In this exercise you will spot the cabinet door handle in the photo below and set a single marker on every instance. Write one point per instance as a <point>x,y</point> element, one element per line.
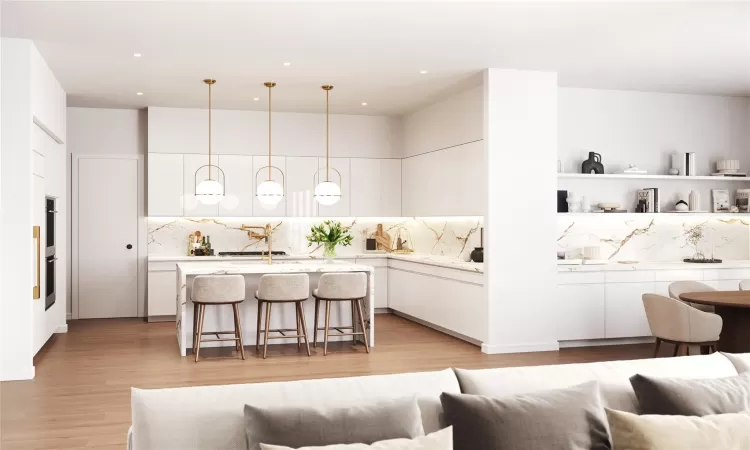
<point>38,261</point>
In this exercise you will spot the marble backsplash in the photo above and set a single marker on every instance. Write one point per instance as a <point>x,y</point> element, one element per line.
<point>453,237</point>
<point>655,238</point>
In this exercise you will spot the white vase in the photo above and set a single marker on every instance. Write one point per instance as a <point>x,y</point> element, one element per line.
<point>585,204</point>
<point>574,203</point>
<point>694,201</point>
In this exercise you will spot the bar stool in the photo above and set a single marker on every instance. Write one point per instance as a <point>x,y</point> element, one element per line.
<point>341,287</point>
<point>288,288</point>
<point>217,290</point>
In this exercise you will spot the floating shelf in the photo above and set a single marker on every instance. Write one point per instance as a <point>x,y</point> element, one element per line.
<point>743,216</point>
<point>628,176</point>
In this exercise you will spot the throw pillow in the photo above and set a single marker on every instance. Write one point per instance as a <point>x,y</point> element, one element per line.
<point>439,440</point>
<point>741,361</point>
<point>563,419</point>
<point>685,397</point>
<point>659,432</point>
<point>296,427</point>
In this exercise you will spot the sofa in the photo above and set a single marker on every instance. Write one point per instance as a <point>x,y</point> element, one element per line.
<point>211,417</point>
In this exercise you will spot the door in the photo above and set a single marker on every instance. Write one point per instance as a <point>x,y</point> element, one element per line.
<point>107,238</point>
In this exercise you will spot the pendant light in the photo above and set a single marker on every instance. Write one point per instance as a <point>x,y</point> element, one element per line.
<point>269,192</point>
<point>327,192</point>
<point>210,191</point>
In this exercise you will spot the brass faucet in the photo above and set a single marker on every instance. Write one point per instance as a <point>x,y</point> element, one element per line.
<point>266,235</point>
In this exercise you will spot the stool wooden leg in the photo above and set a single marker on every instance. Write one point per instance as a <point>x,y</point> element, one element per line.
<point>202,312</point>
<point>362,324</point>
<point>676,349</point>
<point>296,314</point>
<point>354,323</point>
<point>304,326</point>
<point>325,332</point>
<point>195,326</point>
<point>236,336</point>
<point>315,330</point>
<point>238,329</point>
<point>268,326</point>
<point>260,317</point>
<point>656,349</point>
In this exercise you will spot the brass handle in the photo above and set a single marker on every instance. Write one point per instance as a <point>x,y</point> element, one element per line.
<point>38,261</point>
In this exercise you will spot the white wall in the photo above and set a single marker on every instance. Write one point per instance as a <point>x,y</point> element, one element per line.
<point>644,128</point>
<point>174,130</point>
<point>94,132</point>
<point>520,224</point>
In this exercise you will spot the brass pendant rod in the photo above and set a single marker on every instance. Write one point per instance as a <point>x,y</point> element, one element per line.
<point>269,133</point>
<point>210,83</point>
<point>327,165</point>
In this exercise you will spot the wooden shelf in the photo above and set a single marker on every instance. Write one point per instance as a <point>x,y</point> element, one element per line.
<point>627,176</point>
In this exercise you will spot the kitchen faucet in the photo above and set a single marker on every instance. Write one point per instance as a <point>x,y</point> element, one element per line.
<point>266,235</point>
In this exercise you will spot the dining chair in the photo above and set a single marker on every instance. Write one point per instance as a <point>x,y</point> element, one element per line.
<point>681,287</point>
<point>745,285</point>
<point>674,322</point>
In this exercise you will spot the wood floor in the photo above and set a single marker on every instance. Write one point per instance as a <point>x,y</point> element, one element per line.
<point>80,398</point>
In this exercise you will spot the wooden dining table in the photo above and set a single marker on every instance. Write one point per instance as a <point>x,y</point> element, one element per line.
<point>734,309</point>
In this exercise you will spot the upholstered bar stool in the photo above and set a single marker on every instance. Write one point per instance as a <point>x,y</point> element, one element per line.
<point>211,290</point>
<point>341,287</point>
<point>286,288</point>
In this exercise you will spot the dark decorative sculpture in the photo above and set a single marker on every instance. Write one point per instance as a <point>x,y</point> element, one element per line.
<point>593,164</point>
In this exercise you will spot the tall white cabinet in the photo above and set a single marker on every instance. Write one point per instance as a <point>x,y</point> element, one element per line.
<point>299,186</point>
<point>375,187</point>
<point>238,199</point>
<point>165,184</point>
<point>342,207</point>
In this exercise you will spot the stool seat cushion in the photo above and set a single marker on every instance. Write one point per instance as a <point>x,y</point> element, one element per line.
<point>343,286</point>
<point>218,289</point>
<point>283,287</point>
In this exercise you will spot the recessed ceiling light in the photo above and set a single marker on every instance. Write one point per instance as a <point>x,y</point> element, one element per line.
<point>287,64</point>
<point>139,93</point>
<point>137,55</point>
<point>256,98</point>
<point>364,103</point>
<point>422,72</point>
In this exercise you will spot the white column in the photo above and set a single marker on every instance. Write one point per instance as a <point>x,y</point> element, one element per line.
<point>521,154</point>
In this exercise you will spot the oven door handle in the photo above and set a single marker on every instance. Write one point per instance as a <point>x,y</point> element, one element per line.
<point>38,239</point>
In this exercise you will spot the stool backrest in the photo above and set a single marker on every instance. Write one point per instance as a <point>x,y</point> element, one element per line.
<point>343,285</point>
<point>218,288</point>
<point>284,287</point>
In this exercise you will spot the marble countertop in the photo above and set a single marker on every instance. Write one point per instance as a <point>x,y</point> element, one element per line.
<point>650,265</point>
<point>187,268</point>
<point>432,260</point>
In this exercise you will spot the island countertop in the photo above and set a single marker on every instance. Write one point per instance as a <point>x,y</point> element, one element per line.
<point>252,270</point>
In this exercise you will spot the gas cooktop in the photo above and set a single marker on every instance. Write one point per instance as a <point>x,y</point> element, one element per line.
<point>255,253</point>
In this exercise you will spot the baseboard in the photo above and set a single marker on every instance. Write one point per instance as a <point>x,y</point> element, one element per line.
<point>62,329</point>
<point>438,328</point>
<point>383,311</point>
<point>521,348</point>
<point>151,319</point>
<point>26,373</point>
<point>606,342</point>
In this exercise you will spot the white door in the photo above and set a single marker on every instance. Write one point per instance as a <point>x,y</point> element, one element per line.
<point>107,238</point>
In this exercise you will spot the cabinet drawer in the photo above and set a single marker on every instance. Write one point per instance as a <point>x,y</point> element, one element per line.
<point>580,277</point>
<point>580,312</point>
<point>726,274</point>
<point>625,315</point>
<point>162,294</point>
<point>635,276</point>
<point>679,275</point>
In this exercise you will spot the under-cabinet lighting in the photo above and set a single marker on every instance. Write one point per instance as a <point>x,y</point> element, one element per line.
<point>137,55</point>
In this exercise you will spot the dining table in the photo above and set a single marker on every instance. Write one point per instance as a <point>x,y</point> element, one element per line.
<point>734,309</point>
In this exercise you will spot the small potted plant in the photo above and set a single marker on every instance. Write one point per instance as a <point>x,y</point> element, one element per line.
<point>329,234</point>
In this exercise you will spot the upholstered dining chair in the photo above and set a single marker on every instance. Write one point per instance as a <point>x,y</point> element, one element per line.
<point>745,285</point>
<point>681,287</point>
<point>677,323</point>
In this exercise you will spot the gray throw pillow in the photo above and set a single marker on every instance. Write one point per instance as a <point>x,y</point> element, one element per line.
<point>564,419</point>
<point>680,397</point>
<point>300,427</point>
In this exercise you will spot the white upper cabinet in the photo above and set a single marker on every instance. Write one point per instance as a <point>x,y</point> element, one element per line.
<point>375,187</point>
<point>299,186</point>
<point>238,198</point>
<point>165,185</point>
<point>192,163</point>
<point>259,162</point>
<point>342,207</point>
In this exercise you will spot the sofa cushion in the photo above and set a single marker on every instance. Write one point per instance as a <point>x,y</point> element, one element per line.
<point>562,419</point>
<point>211,417</point>
<point>741,361</point>
<point>613,377</point>
<point>723,431</point>
<point>692,397</point>
<point>439,440</point>
<point>363,423</point>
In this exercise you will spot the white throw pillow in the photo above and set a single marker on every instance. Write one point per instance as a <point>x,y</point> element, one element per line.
<point>439,440</point>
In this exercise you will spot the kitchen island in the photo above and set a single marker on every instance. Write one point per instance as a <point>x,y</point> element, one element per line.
<point>221,318</point>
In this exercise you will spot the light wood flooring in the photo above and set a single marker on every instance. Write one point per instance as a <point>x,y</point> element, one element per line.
<point>80,398</point>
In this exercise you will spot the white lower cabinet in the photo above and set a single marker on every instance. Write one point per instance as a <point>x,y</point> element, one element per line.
<point>624,312</point>
<point>580,312</point>
<point>162,293</point>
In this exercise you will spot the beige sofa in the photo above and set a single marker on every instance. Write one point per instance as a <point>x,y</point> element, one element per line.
<point>211,417</point>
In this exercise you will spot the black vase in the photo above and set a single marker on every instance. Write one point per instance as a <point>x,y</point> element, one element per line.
<point>477,255</point>
<point>593,164</point>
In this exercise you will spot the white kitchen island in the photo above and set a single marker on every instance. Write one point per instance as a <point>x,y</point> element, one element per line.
<point>282,316</point>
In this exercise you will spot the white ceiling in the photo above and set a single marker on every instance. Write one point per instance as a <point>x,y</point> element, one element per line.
<point>373,51</point>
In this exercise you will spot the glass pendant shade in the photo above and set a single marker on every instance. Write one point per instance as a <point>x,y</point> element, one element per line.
<point>270,193</point>
<point>327,193</point>
<point>209,192</point>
